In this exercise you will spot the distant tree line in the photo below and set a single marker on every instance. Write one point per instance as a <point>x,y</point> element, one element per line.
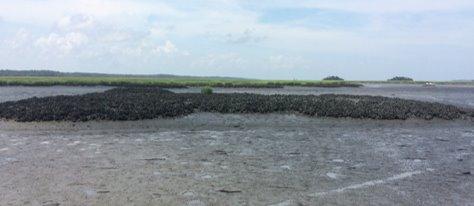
<point>30,73</point>
<point>51,73</point>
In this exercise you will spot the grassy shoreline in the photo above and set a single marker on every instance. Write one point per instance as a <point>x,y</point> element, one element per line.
<point>164,82</point>
<point>182,82</point>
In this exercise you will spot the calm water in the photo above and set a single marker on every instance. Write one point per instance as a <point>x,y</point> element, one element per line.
<point>449,94</point>
<point>14,93</point>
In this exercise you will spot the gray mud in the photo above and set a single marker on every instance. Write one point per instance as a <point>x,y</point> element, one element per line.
<point>213,159</point>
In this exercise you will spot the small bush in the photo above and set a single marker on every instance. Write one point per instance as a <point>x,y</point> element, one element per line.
<point>333,78</point>
<point>206,90</point>
<point>399,78</point>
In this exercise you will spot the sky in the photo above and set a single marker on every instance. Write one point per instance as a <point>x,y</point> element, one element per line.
<point>266,39</point>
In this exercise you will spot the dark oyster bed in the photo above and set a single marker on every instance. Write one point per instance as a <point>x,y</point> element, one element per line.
<point>149,103</point>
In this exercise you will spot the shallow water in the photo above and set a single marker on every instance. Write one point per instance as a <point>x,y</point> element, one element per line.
<point>458,95</point>
<point>13,93</point>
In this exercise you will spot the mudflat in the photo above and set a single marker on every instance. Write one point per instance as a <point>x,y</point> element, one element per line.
<point>206,159</point>
<point>241,159</point>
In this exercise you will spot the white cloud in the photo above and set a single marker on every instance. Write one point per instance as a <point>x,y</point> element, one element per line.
<point>370,6</point>
<point>20,40</point>
<point>247,36</point>
<point>48,11</point>
<point>75,22</point>
<point>220,61</point>
<point>124,50</point>
<point>160,31</point>
<point>116,36</point>
<point>230,34</point>
<point>167,48</point>
<point>286,62</point>
<point>63,44</point>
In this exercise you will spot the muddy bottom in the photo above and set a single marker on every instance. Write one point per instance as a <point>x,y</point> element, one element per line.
<point>214,159</point>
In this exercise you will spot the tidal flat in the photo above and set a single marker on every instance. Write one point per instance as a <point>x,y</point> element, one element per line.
<point>239,159</point>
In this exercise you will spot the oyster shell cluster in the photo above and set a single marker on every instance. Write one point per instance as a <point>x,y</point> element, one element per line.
<point>136,103</point>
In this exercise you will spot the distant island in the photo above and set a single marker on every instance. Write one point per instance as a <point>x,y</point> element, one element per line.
<point>333,78</point>
<point>401,78</point>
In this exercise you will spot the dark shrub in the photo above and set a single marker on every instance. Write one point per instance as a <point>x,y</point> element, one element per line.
<point>400,78</point>
<point>333,78</point>
<point>206,90</point>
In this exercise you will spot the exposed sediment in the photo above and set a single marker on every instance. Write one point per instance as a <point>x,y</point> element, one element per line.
<point>150,103</point>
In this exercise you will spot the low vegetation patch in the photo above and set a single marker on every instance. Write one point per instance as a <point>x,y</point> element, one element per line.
<point>164,82</point>
<point>150,103</point>
<point>206,90</point>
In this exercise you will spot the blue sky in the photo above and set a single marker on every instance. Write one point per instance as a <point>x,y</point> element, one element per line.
<point>287,39</point>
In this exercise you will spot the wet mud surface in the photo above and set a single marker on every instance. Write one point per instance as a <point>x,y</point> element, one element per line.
<point>214,159</point>
<point>150,103</point>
